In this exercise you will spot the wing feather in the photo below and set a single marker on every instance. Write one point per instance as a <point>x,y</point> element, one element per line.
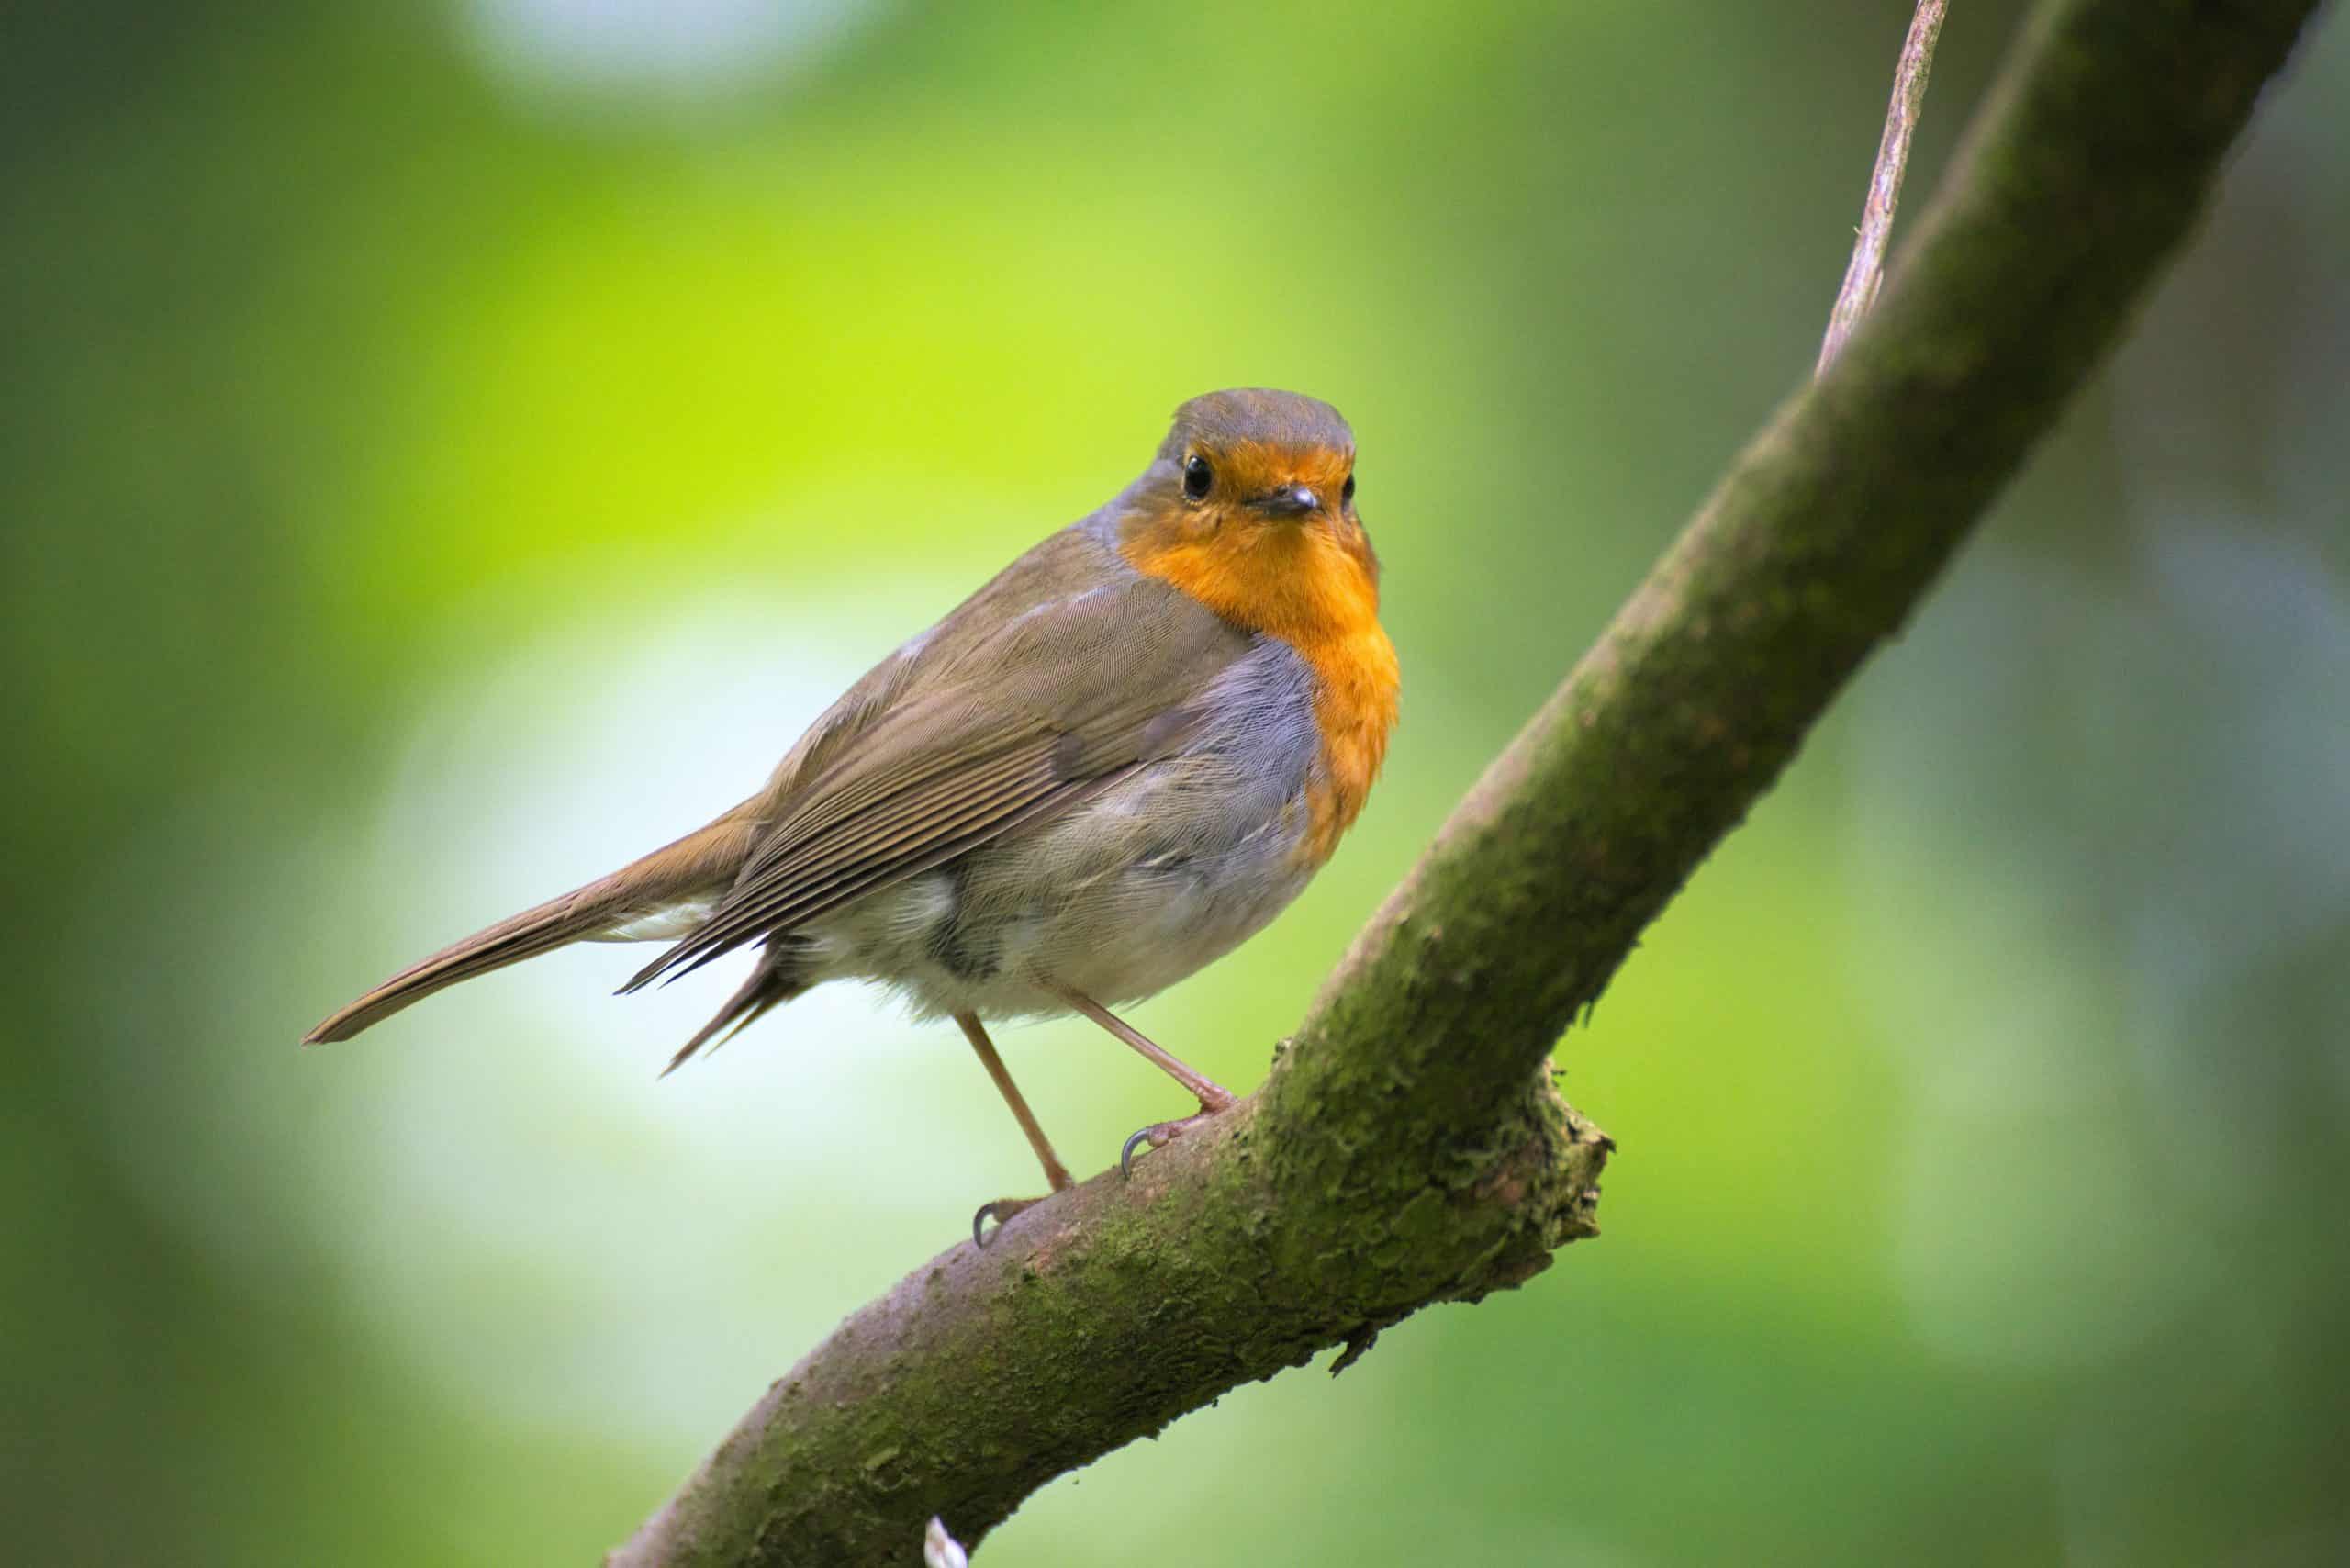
<point>998,721</point>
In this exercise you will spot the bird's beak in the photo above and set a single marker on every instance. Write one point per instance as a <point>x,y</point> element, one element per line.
<point>1290,500</point>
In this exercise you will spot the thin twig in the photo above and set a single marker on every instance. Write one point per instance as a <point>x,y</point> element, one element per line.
<point>1867,269</point>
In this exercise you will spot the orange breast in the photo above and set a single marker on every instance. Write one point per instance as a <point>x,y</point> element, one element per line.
<point>1317,591</point>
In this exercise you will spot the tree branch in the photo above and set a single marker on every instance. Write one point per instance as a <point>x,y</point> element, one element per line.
<point>1407,1147</point>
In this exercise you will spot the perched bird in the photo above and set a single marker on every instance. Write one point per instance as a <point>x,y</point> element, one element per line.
<point>1104,769</point>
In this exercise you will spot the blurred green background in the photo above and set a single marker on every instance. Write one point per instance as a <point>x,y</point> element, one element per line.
<point>449,449</point>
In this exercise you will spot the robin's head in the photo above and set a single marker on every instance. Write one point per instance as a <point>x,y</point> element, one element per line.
<point>1250,456</point>
<point>1250,506</point>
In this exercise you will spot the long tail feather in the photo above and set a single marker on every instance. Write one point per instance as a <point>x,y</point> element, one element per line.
<point>525,935</point>
<point>703,862</point>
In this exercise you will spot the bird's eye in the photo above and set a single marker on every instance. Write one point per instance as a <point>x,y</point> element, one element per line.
<point>1347,491</point>
<point>1197,478</point>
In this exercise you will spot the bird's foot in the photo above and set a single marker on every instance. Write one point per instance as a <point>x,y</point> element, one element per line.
<point>1001,1210</point>
<point>1158,1134</point>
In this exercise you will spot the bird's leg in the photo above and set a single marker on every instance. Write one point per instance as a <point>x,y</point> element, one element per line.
<point>1213,1096</point>
<point>1056,1173</point>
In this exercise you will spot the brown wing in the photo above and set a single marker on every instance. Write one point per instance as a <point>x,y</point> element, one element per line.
<point>1000,721</point>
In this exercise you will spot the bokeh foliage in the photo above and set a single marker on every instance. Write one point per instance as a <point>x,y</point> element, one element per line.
<point>444,450</point>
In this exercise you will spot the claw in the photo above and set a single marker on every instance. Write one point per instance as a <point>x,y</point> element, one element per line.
<point>1158,1134</point>
<point>1001,1210</point>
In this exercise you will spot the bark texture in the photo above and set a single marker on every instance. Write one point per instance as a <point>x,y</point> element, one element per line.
<point>1407,1148</point>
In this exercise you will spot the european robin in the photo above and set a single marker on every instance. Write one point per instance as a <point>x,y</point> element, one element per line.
<point>1104,769</point>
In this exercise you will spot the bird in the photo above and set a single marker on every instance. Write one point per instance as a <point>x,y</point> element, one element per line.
<point>1115,762</point>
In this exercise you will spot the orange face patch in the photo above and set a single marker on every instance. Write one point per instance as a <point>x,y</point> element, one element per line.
<point>1311,581</point>
<point>1244,468</point>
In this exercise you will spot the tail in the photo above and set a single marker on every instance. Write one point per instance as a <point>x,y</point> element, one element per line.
<point>702,864</point>
<point>773,983</point>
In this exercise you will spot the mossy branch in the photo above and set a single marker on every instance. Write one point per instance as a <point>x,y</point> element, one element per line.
<point>1407,1147</point>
